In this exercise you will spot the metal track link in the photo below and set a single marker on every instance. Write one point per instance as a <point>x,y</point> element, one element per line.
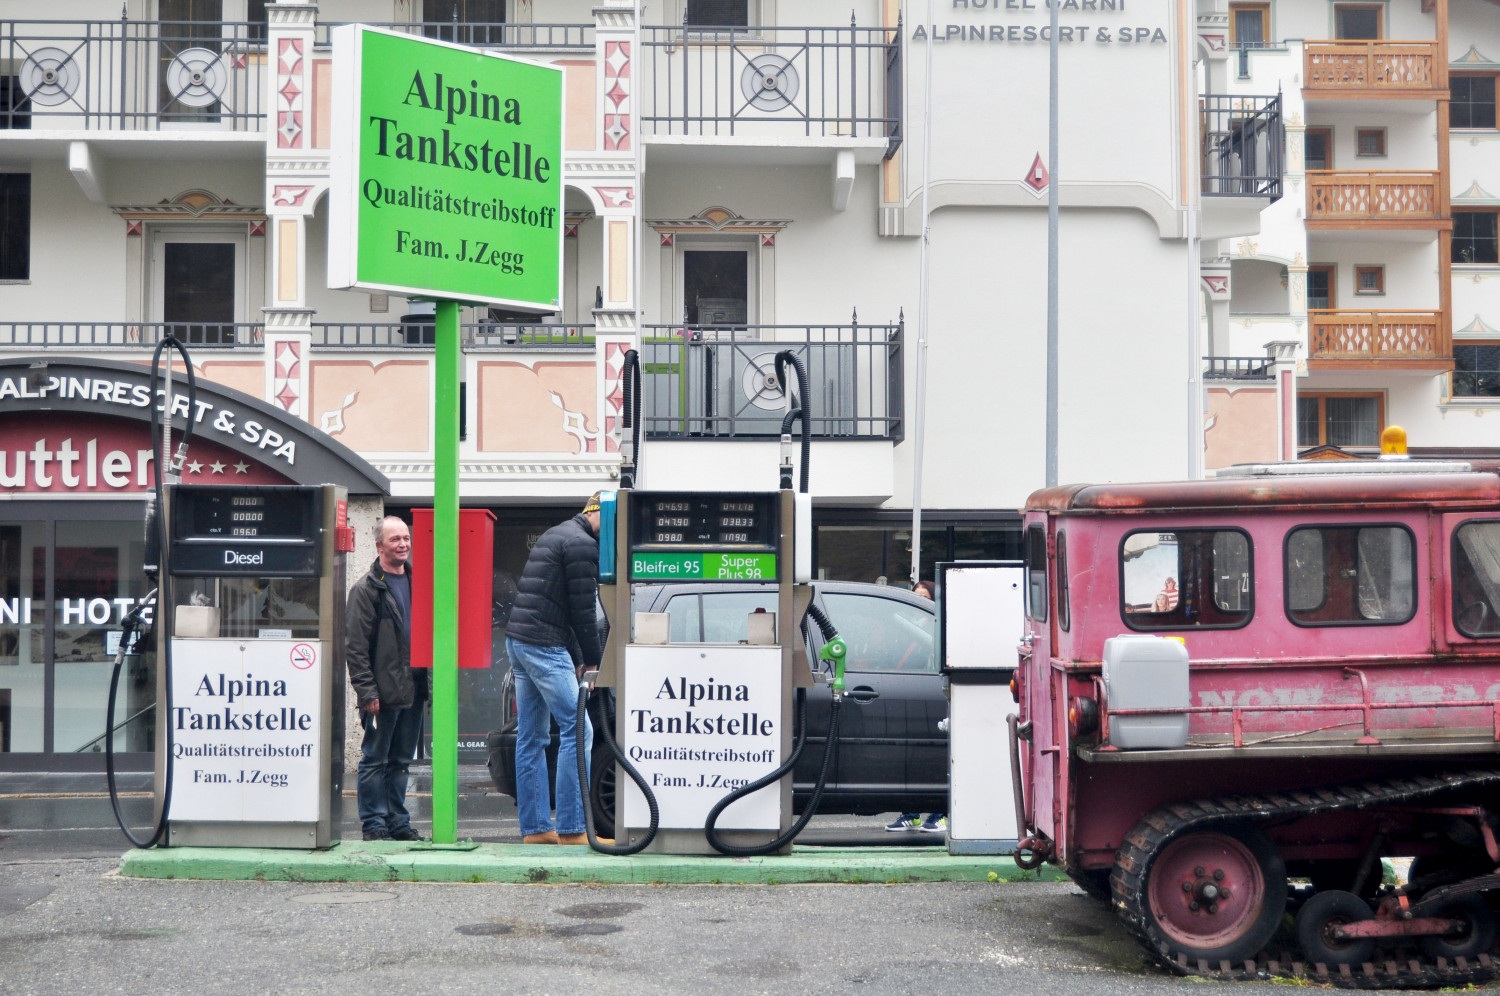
<point>1156,829</point>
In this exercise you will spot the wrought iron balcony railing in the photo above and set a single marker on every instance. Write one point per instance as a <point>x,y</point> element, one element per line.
<point>1239,368</point>
<point>1372,195</point>
<point>132,75</point>
<point>714,381</point>
<point>1378,335</point>
<point>126,335</point>
<point>484,34</point>
<point>1355,68</point>
<point>1242,146</point>
<point>772,82</point>
<point>479,336</point>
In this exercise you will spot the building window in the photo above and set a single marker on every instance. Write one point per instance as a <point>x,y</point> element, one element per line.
<point>718,13</point>
<point>1370,142</point>
<point>1319,287</point>
<point>255,14</point>
<point>1475,237</point>
<point>1476,370</point>
<point>15,106</point>
<point>1357,21</point>
<point>1317,144</point>
<point>1340,419</point>
<point>1249,27</point>
<point>1369,280</point>
<point>465,22</point>
<point>1472,101</point>
<point>15,226</point>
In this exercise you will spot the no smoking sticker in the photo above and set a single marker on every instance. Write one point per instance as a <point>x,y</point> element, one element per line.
<point>304,656</point>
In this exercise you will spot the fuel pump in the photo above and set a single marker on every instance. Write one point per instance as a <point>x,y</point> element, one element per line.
<point>254,624</point>
<point>707,717</point>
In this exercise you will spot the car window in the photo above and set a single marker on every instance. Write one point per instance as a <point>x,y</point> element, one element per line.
<point>883,634</point>
<point>721,617</point>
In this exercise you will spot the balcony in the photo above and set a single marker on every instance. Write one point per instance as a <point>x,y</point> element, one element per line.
<point>1239,368</point>
<point>711,382</point>
<point>124,336</point>
<point>132,75</point>
<point>763,85</point>
<point>1364,70</point>
<point>1382,198</point>
<point>1242,146</point>
<point>482,34</point>
<point>1415,341</point>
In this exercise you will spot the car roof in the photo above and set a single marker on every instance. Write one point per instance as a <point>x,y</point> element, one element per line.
<point>658,591</point>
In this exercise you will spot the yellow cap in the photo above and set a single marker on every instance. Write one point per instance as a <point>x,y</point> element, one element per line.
<point>592,505</point>
<point>1393,441</point>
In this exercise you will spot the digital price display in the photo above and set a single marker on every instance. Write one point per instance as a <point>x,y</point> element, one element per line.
<point>704,537</point>
<point>266,531</point>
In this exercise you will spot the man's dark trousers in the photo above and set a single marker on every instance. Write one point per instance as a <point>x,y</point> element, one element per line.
<point>390,741</point>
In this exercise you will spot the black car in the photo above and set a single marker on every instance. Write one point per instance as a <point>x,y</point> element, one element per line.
<point>892,757</point>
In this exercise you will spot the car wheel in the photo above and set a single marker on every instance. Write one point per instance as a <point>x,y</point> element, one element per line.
<point>602,792</point>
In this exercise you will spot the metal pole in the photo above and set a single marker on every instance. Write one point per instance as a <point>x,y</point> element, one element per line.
<point>1195,348</point>
<point>919,426</point>
<point>444,569</point>
<point>1052,205</point>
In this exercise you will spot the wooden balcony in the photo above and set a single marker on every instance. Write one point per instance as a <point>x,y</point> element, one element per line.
<point>1396,340</point>
<point>1373,198</point>
<point>1373,69</point>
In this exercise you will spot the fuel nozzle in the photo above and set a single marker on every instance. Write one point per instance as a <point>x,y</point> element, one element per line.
<point>786,461</point>
<point>835,650</point>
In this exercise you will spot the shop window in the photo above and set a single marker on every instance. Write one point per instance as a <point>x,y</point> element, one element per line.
<point>465,22</point>
<point>1357,21</point>
<point>1476,370</point>
<point>15,226</point>
<point>1186,579</point>
<point>1036,573</point>
<point>1350,575</point>
<point>1320,287</point>
<point>1476,579</point>
<point>1317,146</point>
<point>1369,280</point>
<point>1340,419</point>
<point>719,13</point>
<point>1369,142</point>
<point>1476,237</point>
<point>1472,101</point>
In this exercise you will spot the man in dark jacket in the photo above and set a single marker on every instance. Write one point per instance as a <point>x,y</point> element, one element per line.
<point>552,623</point>
<point>391,693</point>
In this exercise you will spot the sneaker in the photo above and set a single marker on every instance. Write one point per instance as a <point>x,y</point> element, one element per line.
<point>906,821</point>
<point>377,835</point>
<point>407,834</point>
<point>936,823</point>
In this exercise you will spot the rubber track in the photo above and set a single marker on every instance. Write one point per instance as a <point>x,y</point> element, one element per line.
<point>1128,879</point>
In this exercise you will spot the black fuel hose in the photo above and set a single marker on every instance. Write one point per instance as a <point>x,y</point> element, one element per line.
<point>783,358</point>
<point>163,614</point>
<point>129,636</point>
<point>583,785</point>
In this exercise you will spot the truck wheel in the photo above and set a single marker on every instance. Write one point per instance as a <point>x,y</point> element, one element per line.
<point>1325,911</point>
<point>1474,913</point>
<point>602,792</point>
<point>1211,894</point>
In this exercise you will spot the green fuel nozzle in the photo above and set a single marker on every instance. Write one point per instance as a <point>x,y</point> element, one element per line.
<point>835,650</point>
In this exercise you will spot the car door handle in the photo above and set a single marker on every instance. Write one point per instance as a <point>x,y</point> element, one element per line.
<point>862,693</point>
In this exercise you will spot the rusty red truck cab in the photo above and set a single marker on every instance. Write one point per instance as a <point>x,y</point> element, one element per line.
<point>1238,695</point>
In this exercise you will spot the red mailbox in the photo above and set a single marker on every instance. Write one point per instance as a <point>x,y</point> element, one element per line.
<point>476,586</point>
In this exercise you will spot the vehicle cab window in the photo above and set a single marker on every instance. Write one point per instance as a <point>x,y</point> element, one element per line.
<point>1186,579</point>
<point>883,634</point>
<point>1341,576</point>
<point>1476,579</point>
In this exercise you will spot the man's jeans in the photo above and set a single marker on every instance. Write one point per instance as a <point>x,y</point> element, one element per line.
<point>390,741</point>
<point>547,687</point>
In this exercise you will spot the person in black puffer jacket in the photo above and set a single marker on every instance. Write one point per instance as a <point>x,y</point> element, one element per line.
<point>553,624</point>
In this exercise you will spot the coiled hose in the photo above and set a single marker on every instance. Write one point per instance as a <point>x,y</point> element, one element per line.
<point>630,413</point>
<point>783,359</point>
<point>830,752</point>
<point>583,784</point>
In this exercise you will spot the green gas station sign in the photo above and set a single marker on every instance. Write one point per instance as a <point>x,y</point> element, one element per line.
<point>447,172</point>
<point>700,566</point>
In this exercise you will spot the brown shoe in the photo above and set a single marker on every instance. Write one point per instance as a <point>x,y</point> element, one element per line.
<point>550,837</point>
<point>582,838</point>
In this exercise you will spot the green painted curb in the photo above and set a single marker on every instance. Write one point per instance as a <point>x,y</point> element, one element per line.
<point>394,861</point>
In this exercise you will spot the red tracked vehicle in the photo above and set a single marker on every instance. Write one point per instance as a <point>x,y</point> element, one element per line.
<point>1238,695</point>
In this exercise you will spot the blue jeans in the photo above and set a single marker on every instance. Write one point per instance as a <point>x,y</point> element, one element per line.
<point>547,688</point>
<point>385,755</point>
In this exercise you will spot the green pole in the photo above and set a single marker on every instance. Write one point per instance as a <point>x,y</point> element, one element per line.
<point>445,580</point>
